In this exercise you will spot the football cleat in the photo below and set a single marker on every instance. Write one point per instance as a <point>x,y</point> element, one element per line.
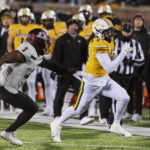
<point>55,131</point>
<point>136,117</point>
<point>117,128</point>
<point>127,116</point>
<point>86,120</point>
<point>10,136</point>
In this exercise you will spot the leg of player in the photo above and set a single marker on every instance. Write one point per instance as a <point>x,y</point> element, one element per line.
<point>111,90</point>
<point>85,96</point>
<point>22,101</point>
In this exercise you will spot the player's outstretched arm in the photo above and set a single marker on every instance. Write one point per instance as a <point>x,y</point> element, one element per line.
<point>12,58</point>
<point>63,70</point>
<point>48,64</point>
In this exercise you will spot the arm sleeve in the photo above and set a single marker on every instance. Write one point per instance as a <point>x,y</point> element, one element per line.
<point>107,64</point>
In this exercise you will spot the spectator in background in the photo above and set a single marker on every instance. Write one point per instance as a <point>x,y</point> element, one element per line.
<point>14,12</point>
<point>6,21</point>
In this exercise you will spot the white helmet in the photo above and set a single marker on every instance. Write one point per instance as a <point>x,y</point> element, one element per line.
<point>86,8</point>
<point>49,14</point>
<point>79,17</point>
<point>104,9</point>
<point>24,12</point>
<point>101,25</point>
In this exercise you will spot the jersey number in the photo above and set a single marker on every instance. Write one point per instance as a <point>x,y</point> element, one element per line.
<point>24,49</point>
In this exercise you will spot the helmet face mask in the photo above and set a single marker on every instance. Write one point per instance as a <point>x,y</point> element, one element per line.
<point>48,23</point>
<point>48,19</point>
<point>107,34</point>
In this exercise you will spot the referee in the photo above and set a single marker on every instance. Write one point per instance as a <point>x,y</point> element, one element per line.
<point>125,71</point>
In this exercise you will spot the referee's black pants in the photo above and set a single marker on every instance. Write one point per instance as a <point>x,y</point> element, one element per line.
<point>22,101</point>
<point>136,96</point>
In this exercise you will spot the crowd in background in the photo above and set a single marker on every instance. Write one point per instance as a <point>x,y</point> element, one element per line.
<point>59,90</point>
<point>79,2</point>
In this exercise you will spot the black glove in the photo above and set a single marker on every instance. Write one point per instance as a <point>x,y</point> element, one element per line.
<point>71,70</point>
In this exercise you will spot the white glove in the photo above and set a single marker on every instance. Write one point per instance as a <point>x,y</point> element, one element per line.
<point>80,75</point>
<point>126,48</point>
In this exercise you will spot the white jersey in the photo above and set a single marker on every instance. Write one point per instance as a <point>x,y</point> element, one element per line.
<point>13,75</point>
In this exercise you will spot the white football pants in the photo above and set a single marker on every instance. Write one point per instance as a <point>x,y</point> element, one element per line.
<point>88,92</point>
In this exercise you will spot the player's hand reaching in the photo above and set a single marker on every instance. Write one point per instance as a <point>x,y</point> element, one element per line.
<point>126,48</point>
<point>80,75</point>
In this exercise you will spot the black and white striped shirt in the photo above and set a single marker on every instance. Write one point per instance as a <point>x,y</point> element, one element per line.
<point>133,58</point>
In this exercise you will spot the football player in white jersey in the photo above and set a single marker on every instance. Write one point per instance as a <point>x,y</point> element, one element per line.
<point>100,63</point>
<point>15,67</point>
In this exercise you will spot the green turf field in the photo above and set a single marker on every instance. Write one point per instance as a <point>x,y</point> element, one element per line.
<point>36,136</point>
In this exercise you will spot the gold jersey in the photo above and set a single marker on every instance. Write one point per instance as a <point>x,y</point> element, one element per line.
<point>60,28</point>
<point>98,45</point>
<point>87,31</point>
<point>20,33</point>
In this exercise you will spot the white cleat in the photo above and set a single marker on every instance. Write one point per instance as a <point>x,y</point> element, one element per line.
<point>103,121</point>
<point>136,117</point>
<point>55,131</point>
<point>10,136</point>
<point>86,120</point>
<point>127,116</point>
<point>117,128</point>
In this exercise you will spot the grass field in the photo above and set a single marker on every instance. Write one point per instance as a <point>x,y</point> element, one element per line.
<point>36,136</point>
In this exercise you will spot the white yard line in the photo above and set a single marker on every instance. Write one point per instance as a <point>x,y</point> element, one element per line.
<point>87,145</point>
<point>75,123</point>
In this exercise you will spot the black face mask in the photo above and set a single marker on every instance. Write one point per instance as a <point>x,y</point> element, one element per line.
<point>49,26</point>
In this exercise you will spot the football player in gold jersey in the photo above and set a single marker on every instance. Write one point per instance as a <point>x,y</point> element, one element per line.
<point>18,32</point>
<point>87,11</point>
<point>100,63</point>
<point>48,19</point>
